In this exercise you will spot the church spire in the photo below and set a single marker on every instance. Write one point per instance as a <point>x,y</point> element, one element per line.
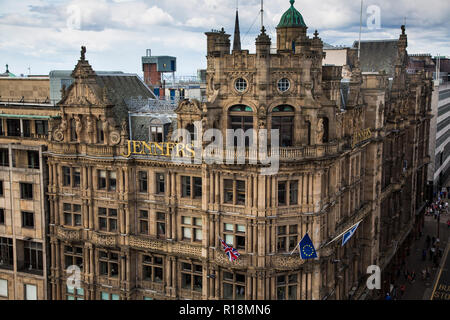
<point>237,34</point>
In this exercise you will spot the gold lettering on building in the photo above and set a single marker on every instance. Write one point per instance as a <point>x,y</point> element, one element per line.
<point>163,149</point>
<point>361,136</point>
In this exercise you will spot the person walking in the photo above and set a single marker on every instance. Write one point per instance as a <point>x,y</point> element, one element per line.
<point>388,296</point>
<point>424,254</point>
<point>413,276</point>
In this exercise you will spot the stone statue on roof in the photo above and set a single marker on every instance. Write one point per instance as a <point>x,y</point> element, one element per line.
<point>83,52</point>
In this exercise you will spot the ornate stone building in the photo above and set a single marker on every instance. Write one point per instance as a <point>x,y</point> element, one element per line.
<point>24,117</point>
<point>146,227</point>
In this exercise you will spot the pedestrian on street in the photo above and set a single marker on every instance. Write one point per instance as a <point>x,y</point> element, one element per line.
<point>388,296</point>
<point>424,254</point>
<point>413,276</point>
<point>424,274</point>
<point>448,223</point>
<point>431,253</point>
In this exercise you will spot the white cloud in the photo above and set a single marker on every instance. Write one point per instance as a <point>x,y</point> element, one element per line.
<point>45,33</point>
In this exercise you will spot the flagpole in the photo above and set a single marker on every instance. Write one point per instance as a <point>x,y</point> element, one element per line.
<point>340,235</point>
<point>298,243</point>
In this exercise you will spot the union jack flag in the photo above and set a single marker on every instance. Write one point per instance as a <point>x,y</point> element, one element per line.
<point>231,252</point>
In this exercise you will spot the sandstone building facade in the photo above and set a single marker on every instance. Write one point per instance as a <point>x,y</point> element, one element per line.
<point>146,227</point>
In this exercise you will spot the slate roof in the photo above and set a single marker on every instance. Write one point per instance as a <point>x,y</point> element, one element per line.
<point>378,55</point>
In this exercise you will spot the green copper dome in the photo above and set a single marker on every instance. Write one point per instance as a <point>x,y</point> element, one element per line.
<point>291,18</point>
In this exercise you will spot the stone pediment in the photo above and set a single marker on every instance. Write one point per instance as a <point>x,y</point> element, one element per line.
<point>81,94</point>
<point>189,107</point>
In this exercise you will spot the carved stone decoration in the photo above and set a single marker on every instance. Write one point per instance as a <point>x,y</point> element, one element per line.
<point>65,234</point>
<point>262,117</point>
<point>319,131</point>
<point>58,135</point>
<point>90,128</point>
<point>105,128</point>
<point>78,127</point>
<point>104,240</point>
<point>282,262</point>
<point>114,137</point>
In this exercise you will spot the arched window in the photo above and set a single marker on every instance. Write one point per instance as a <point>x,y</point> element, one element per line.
<point>283,120</point>
<point>241,117</point>
<point>100,133</point>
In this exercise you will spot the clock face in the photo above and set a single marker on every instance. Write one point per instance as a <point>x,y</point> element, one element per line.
<point>284,84</point>
<point>240,84</point>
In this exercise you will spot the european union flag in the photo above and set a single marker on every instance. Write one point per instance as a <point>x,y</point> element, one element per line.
<point>307,250</point>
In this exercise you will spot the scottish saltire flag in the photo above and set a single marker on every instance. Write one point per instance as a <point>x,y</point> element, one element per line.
<point>231,252</point>
<point>307,250</point>
<point>349,233</point>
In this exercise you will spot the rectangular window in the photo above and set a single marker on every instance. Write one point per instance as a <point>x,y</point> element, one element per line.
<point>228,190</point>
<point>13,126</point>
<point>66,176</point>
<point>143,181</point>
<point>74,293</point>
<point>3,288</point>
<point>107,219</point>
<point>282,193</point>
<point>109,296</point>
<point>233,286</point>
<point>30,292</point>
<point>73,256</point>
<point>32,256</point>
<point>287,238</point>
<point>33,159</point>
<point>143,222</point>
<point>287,287</point>
<point>191,276</point>
<point>293,192</point>
<point>1,188</point>
<point>240,192</point>
<point>27,219</point>
<point>102,179</point>
<point>41,127</point>
<point>156,133</point>
<point>26,126</point>
<point>26,191</point>
<point>112,181</point>
<point>76,177</point>
<point>161,225</point>
<point>160,183</point>
<point>6,253</point>
<point>234,235</point>
<point>191,228</point>
<point>109,263</point>
<point>197,187</point>
<point>185,187</point>
<point>4,158</point>
<point>2,216</point>
<point>152,268</point>
<point>72,214</point>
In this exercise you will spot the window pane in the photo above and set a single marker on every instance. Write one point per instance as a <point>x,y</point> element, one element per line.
<point>187,220</point>
<point>3,288</point>
<point>229,239</point>
<point>228,227</point>
<point>240,228</point>
<point>105,296</point>
<point>187,233</point>
<point>30,292</point>
<point>198,234</point>
<point>227,291</point>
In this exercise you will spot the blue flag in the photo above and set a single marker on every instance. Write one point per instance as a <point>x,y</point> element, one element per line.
<point>349,233</point>
<point>307,250</point>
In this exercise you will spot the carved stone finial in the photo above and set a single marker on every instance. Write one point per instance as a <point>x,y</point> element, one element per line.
<point>316,34</point>
<point>403,29</point>
<point>83,52</point>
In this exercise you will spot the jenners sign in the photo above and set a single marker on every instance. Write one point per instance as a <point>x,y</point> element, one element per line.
<point>164,149</point>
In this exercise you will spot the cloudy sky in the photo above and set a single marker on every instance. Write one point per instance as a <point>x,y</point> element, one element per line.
<point>46,35</point>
